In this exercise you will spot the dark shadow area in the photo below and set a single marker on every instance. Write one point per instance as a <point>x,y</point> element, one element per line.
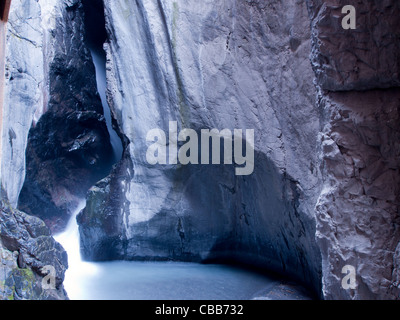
<point>69,148</point>
<point>286,288</point>
<point>96,36</point>
<point>4,9</point>
<point>253,221</point>
<point>95,31</point>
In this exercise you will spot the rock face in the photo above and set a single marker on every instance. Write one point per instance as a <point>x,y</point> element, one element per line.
<point>104,237</point>
<point>357,211</point>
<point>27,252</point>
<point>196,64</point>
<point>69,148</point>
<point>324,190</point>
<point>361,59</point>
<point>236,65</point>
<point>23,92</point>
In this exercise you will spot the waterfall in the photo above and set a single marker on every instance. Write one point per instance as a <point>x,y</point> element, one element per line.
<point>78,271</point>
<point>80,274</point>
<point>145,280</point>
<point>123,280</point>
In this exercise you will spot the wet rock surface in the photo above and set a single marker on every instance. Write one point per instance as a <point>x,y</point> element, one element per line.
<point>325,189</point>
<point>101,225</point>
<point>212,65</point>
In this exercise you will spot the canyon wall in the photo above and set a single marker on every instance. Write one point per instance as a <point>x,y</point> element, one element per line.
<point>68,147</point>
<point>196,64</point>
<point>27,249</point>
<point>357,76</point>
<point>324,190</point>
<point>223,65</point>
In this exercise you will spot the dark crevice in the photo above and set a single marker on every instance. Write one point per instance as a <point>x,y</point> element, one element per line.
<point>4,9</point>
<point>96,36</point>
<point>96,33</point>
<point>69,148</point>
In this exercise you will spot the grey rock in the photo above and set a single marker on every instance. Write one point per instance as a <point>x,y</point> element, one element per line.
<point>69,148</point>
<point>35,45</point>
<point>26,248</point>
<point>101,226</point>
<point>361,59</point>
<point>210,64</point>
<point>24,91</point>
<point>357,210</point>
<point>325,187</point>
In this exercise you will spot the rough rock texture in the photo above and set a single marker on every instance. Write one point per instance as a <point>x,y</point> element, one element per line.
<point>2,77</point>
<point>104,235</point>
<point>358,222</point>
<point>225,64</point>
<point>26,247</point>
<point>325,187</point>
<point>68,149</point>
<point>358,209</point>
<point>361,59</point>
<point>25,243</point>
<point>38,77</point>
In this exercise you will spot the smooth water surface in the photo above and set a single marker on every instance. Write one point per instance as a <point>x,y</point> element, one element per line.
<point>149,280</point>
<point>124,280</point>
<point>163,281</point>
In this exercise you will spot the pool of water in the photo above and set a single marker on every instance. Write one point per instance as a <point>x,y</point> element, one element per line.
<point>162,281</point>
<point>123,280</point>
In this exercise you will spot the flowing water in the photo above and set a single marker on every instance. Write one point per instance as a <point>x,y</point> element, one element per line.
<point>150,280</point>
<point>99,61</point>
<point>124,280</point>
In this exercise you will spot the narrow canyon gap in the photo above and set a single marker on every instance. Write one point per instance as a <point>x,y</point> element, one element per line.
<point>69,147</point>
<point>323,102</point>
<point>170,68</point>
<point>96,36</point>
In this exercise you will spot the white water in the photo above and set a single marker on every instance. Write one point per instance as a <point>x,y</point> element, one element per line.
<point>78,270</point>
<point>148,280</point>
<point>122,280</point>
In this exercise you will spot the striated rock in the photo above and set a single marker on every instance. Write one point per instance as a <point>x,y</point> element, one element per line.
<point>24,91</point>
<point>324,193</point>
<point>236,65</point>
<point>26,250</point>
<point>69,148</point>
<point>50,94</point>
